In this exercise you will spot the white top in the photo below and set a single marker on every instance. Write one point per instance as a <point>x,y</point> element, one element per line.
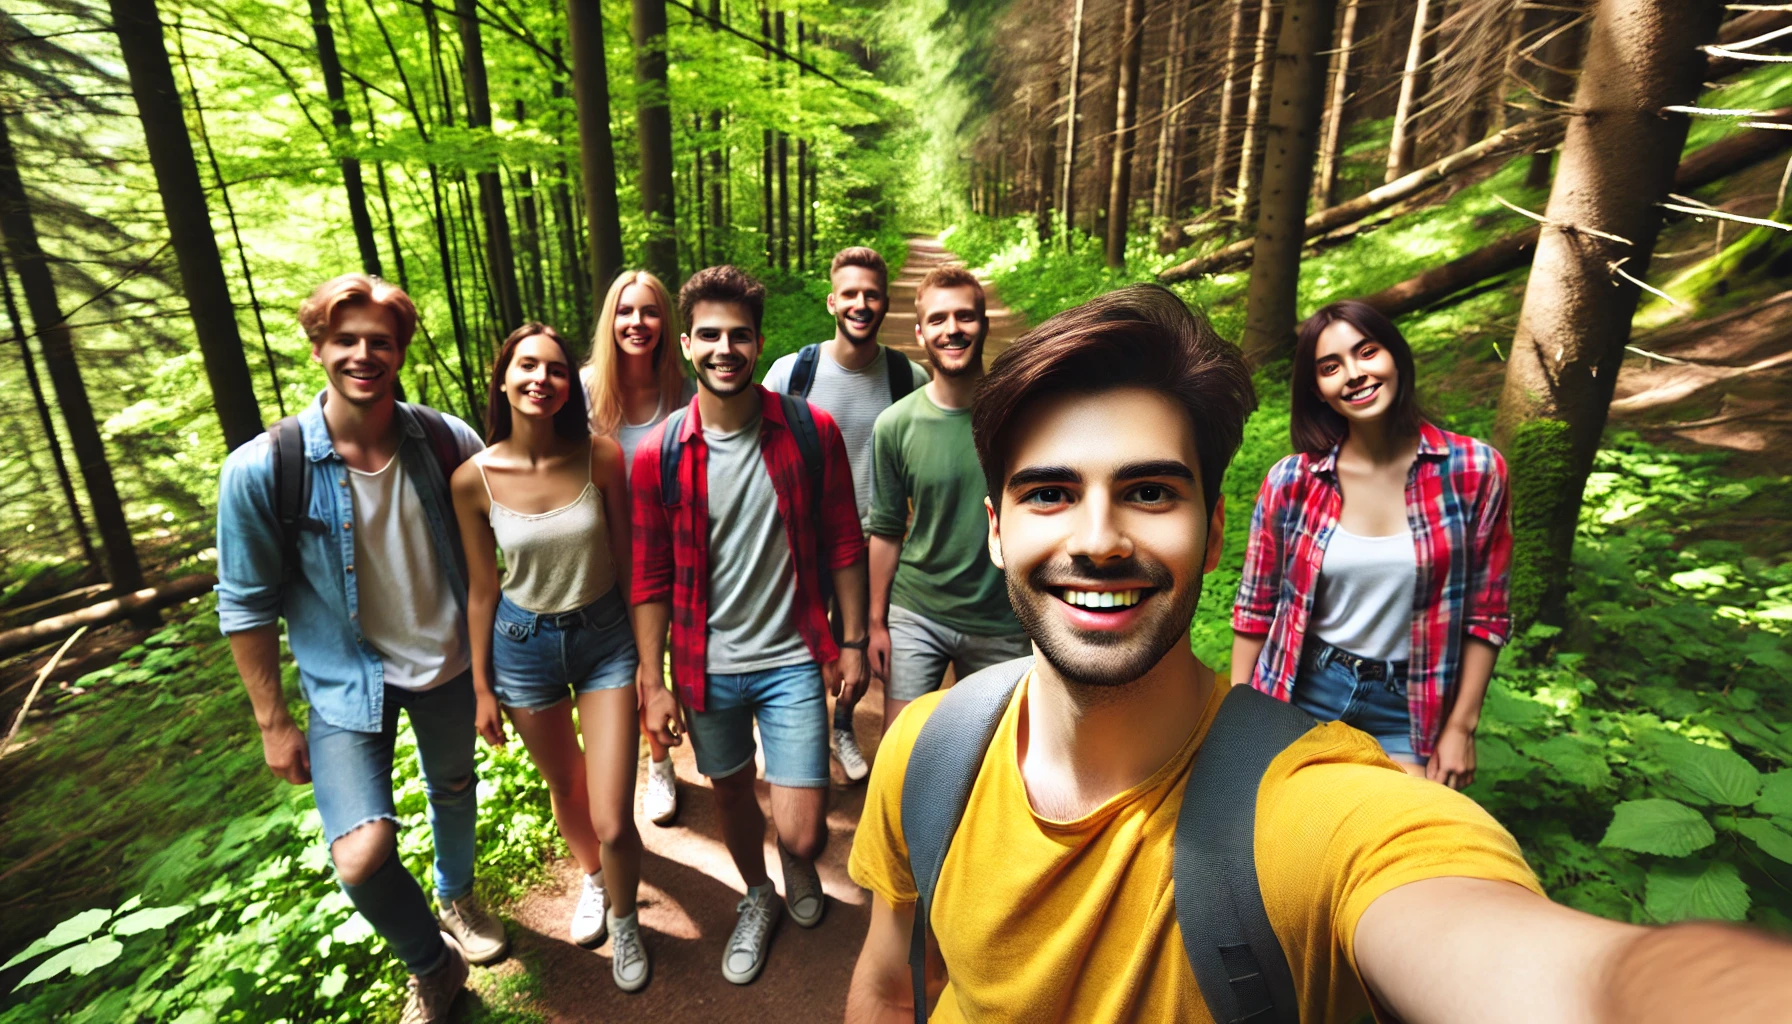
<point>630,435</point>
<point>752,580</point>
<point>555,561</point>
<point>408,613</point>
<point>1364,601</point>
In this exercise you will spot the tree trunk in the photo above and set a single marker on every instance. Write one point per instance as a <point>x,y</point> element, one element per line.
<point>717,175</point>
<point>1046,155</point>
<point>331,65</point>
<point>1560,55</point>
<point>597,154</point>
<point>1400,143</point>
<point>1169,127</point>
<point>500,254</point>
<point>1126,112</point>
<point>1440,282</point>
<point>1296,100</point>
<point>1250,156</point>
<point>1325,185</point>
<point>1067,199</point>
<point>22,246</point>
<point>1616,163</point>
<point>139,31</point>
<point>653,129</point>
<point>1222,144</point>
<point>783,158</point>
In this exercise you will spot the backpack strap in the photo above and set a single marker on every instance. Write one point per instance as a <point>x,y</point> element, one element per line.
<point>671,453</point>
<point>292,490</point>
<point>942,768</point>
<point>902,379</point>
<point>442,442</point>
<point>1238,962</point>
<point>801,419</point>
<point>802,374</point>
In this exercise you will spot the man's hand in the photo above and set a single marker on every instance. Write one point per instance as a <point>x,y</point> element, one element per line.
<point>661,716</point>
<point>850,677</point>
<point>488,720</point>
<point>288,755</point>
<point>1453,762</point>
<point>878,653</point>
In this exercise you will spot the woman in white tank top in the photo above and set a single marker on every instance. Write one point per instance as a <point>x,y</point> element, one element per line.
<point>634,379</point>
<point>553,500</point>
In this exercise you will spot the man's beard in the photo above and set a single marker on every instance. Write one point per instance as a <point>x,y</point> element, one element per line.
<point>1104,660</point>
<point>970,365</point>
<point>850,330</point>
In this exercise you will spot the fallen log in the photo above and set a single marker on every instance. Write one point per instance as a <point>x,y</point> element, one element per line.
<point>54,605</point>
<point>148,599</point>
<point>1739,29</point>
<point>1535,133</point>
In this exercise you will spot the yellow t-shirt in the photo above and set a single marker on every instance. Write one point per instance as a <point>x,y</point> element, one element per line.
<point>1042,920</point>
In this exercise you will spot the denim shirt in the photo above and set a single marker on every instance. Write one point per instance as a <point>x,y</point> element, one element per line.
<point>340,673</point>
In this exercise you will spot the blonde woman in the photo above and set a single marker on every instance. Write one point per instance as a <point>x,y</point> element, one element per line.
<point>634,379</point>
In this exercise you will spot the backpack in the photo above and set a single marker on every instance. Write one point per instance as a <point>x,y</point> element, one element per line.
<point>802,375</point>
<point>292,484</point>
<point>797,416</point>
<point>1238,961</point>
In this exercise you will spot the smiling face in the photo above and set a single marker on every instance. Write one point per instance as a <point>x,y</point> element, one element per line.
<point>538,379</point>
<point>859,301</point>
<point>951,325</point>
<point>360,353</point>
<point>640,321</point>
<point>1104,536</point>
<point>723,347</point>
<point>1355,374</point>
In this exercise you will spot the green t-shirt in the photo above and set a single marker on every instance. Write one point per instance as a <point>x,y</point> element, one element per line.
<point>922,456</point>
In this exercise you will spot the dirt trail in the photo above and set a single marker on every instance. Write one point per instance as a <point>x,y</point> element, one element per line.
<point>689,883</point>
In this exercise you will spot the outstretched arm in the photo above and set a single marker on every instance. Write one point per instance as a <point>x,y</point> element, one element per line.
<point>882,991</point>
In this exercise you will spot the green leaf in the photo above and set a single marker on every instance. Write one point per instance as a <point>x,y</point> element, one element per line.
<point>1666,827</point>
<point>79,960</point>
<point>150,919</point>
<point>1776,794</point>
<point>1720,776</point>
<point>1574,760</point>
<point>76,928</point>
<point>1682,892</point>
<point>1768,836</point>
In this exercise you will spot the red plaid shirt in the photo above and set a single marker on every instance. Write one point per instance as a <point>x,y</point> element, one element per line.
<point>1456,506</point>
<point>671,545</point>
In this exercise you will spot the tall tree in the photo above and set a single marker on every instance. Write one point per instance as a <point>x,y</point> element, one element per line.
<point>500,253</point>
<point>597,154</point>
<point>1045,177</point>
<point>1167,167</point>
<point>19,229</point>
<point>1325,183</point>
<point>783,159</point>
<point>1067,198</point>
<point>1296,98</point>
<point>1401,142</point>
<point>717,176</point>
<point>1617,162</point>
<point>139,30</point>
<point>653,130</point>
<point>1250,153</point>
<point>1222,140</point>
<point>1126,112</point>
<point>1559,56</point>
<point>331,66</point>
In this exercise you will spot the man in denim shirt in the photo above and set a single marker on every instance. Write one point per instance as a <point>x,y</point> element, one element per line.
<point>375,609</point>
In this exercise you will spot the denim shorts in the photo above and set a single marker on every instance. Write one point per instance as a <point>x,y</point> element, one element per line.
<point>1330,690</point>
<point>537,659</point>
<point>920,650</point>
<point>792,708</point>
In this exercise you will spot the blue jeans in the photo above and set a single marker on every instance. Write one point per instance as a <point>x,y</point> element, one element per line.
<point>1371,697</point>
<point>791,706</point>
<point>351,778</point>
<point>535,658</point>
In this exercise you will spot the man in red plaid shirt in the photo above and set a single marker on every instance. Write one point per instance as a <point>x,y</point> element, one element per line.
<point>741,502</point>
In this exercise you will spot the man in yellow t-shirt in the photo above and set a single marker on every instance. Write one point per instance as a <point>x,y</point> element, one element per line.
<point>1103,435</point>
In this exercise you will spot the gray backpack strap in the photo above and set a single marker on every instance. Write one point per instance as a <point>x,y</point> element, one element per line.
<point>1237,959</point>
<point>802,372</point>
<point>942,768</point>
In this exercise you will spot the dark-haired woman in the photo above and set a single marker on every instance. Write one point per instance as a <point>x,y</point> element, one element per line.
<point>1374,587</point>
<point>552,497</point>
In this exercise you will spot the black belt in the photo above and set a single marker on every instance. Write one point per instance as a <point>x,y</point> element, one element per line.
<point>1364,668</point>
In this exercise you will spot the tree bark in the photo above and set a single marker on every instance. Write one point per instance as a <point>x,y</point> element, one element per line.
<point>1297,98</point>
<point>1617,162</point>
<point>1046,155</point>
<point>597,154</point>
<point>1222,144</point>
<point>1169,127</point>
<point>1559,56</point>
<point>1325,184</point>
<point>717,175</point>
<point>1067,196</point>
<point>1250,154</point>
<point>1400,143</point>
<point>1126,112</point>
<point>653,129</point>
<point>500,253</point>
<point>20,233</point>
<point>139,31</point>
<point>331,66</point>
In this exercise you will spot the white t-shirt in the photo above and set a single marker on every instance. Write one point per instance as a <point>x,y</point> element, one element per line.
<point>408,613</point>
<point>1364,601</point>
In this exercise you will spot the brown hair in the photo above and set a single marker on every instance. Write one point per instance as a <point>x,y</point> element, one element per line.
<point>604,390</point>
<point>569,422</point>
<point>861,256</point>
<point>949,277</point>
<point>1316,427</point>
<point>1142,337</point>
<point>319,308</point>
<point>722,284</point>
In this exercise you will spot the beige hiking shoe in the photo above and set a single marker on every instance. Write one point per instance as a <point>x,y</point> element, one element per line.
<point>432,995</point>
<point>480,934</point>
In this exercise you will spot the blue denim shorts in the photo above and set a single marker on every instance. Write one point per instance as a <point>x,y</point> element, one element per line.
<point>792,708</point>
<point>537,659</point>
<point>1330,690</point>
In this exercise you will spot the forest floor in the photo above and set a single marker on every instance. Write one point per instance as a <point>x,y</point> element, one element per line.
<point>689,883</point>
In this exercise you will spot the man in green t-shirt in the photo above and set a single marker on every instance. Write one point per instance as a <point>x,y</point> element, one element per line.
<point>936,599</point>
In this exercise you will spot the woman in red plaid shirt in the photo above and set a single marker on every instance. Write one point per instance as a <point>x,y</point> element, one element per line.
<point>1375,581</point>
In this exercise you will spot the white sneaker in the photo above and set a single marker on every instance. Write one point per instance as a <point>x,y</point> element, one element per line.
<point>846,751</point>
<point>588,917</point>
<point>752,938</point>
<point>628,954</point>
<point>802,890</point>
<point>661,799</point>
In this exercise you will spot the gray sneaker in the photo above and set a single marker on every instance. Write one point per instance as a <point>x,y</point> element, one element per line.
<point>432,995</point>
<point>802,890</point>
<point>628,954</point>
<point>479,933</point>
<point>752,939</point>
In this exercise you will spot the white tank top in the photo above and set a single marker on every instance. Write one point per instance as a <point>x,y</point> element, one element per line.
<point>555,561</point>
<point>1364,600</point>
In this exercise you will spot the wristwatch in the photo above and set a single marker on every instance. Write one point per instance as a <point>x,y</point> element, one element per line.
<point>857,645</point>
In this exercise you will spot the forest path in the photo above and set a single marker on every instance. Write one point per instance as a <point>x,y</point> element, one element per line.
<point>689,884</point>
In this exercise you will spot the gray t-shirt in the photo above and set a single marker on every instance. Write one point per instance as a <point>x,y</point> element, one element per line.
<point>752,580</point>
<point>630,435</point>
<point>853,398</point>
